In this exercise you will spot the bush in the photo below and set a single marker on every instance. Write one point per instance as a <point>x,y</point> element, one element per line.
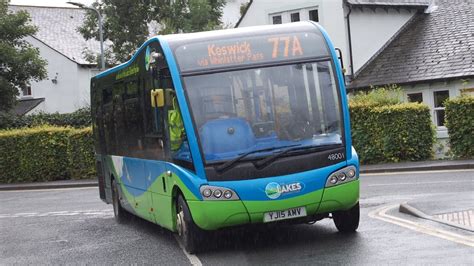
<point>391,133</point>
<point>78,119</point>
<point>81,154</point>
<point>45,153</point>
<point>388,95</point>
<point>460,124</point>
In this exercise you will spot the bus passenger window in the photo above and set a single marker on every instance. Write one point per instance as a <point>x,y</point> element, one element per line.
<point>107,95</point>
<point>131,90</point>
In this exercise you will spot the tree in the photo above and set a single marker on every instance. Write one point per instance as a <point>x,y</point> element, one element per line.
<point>19,61</point>
<point>127,24</point>
<point>191,16</point>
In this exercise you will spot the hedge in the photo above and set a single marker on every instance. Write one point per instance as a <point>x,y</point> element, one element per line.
<point>46,153</point>
<point>78,119</point>
<point>391,133</point>
<point>81,154</point>
<point>460,123</point>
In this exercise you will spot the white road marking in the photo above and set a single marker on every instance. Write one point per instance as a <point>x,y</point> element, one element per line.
<point>193,259</point>
<point>381,214</point>
<point>47,189</point>
<point>106,212</point>
<point>417,172</point>
<point>418,183</point>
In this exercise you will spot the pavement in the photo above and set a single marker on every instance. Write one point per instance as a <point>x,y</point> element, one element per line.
<point>418,166</point>
<point>50,184</point>
<point>456,209</point>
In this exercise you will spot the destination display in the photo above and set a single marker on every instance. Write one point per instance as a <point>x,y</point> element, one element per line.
<point>249,50</point>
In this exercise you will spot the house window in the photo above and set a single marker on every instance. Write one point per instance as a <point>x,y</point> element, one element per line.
<point>439,98</point>
<point>276,19</point>
<point>26,91</point>
<point>415,97</point>
<point>295,17</point>
<point>314,15</point>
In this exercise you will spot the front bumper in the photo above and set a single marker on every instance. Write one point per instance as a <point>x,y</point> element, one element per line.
<point>212,215</point>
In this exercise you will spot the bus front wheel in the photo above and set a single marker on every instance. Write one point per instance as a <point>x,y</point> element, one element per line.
<point>189,233</point>
<point>120,214</point>
<point>347,221</point>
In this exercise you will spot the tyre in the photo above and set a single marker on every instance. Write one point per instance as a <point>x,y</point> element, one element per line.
<point>120,214</point>
<point>189,233</point>
<point>347,221</point>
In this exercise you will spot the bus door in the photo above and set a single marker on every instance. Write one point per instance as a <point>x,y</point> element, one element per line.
<point>168,123</point>
<point>155,110</point>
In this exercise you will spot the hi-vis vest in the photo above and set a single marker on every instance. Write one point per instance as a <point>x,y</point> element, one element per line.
<point>176,127</point>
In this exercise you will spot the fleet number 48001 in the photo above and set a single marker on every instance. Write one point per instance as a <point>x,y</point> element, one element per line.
<point>336,156</point>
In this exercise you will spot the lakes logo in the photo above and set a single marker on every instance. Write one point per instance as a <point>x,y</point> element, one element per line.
<point>275,190</point>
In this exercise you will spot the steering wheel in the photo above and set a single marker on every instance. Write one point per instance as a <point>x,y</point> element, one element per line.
<point>296,130</point>
<point>263,129</point>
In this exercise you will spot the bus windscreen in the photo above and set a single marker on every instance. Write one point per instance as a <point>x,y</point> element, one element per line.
<point>248,50</point>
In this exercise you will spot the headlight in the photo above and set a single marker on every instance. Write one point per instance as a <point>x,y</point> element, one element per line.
<point>218,193</point>
<point>227,194</point>
<point>351,173</point>
<point>333,179</point>
<point>206,193</point>
<point>341,176</point>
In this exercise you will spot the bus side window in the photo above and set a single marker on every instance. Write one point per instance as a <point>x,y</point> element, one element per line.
<point>119,118</point>
<point>133,119</point>
<point>108,120</point>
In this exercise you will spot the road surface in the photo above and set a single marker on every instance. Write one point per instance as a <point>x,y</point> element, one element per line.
<point>73,226</point>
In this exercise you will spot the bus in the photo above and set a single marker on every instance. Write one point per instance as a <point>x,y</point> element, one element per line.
<point>203,131</point>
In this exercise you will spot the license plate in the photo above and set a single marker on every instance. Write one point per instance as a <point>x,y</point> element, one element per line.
<point>285,214</point>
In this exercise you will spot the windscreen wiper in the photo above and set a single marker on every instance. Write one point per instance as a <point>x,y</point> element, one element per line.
<point>267,161</point>
<point>229,164</point>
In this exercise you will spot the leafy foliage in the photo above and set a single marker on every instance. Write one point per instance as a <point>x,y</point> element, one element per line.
<point>460,124</point>
<point>391,133</point>
<point>78,119</point>
<point>81,154</point>
<point>243,8</point>
<point>190,15</point>
<point>19,61</point>
<point>127,24</point>
<point>46,153</point>
<point>388,95</point>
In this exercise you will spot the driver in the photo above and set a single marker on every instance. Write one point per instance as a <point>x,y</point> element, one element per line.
<point>295,126</point>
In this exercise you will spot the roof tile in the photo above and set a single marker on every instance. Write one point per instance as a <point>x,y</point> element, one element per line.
<point>435,46</point>
<point>422,3</point>
<point>57,28</point>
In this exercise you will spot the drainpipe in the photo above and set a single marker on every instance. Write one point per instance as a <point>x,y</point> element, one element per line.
<point>350,39</point>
